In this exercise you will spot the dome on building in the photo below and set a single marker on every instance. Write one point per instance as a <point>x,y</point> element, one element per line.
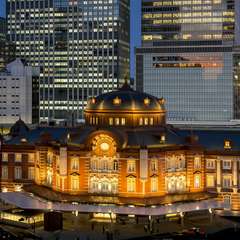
<point>125,107</point>
<point>125,98</point>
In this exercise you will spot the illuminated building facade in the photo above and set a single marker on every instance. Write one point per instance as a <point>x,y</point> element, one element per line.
<point>82,48</point>
<point>188,56</point>
<point>7,49</point>
<point>125,153</point>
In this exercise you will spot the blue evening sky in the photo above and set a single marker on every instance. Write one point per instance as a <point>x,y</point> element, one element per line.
<point>135,26</point>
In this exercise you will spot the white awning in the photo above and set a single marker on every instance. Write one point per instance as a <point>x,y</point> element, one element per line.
<point>27,201</point>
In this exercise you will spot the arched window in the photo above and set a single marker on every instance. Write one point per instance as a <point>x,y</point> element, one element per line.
<point>154,184</point>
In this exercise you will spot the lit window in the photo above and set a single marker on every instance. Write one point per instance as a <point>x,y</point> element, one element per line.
<point>131,184</point>
<point>210,163</point>
<point>75,163</point>
<point>140,121</point>
<point>18,157</point>
<point>131,166</point>
<point>4,157</point>
<point>115,165</point>
<point>110,121</point>
<point>227,164</point>
<point>227,181</point>
<point>227,144</point>
<point>145,121</point>
<point>210,180</point>
<point>154,165</point>
<point>4,172</point>
<point>74,183</point>
<point>163,138</point>
<point>151,121</point>
<point>117,121</point>
<point>146,101</point>
<point>197,180</point>
<point>31,173</point>
<point>123,121</point>
<point>31,157</point>
<point>104,146</point>
<point>197,162</point>
<point>154,184</point>
<point>96,121</point>
<point>117,101</point>
<point>18,172</point>
<point>49,177</point>
<point>93,100</point>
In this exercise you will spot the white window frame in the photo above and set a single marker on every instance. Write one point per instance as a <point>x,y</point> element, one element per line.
<point>31,157</point>
<point>75,163</point>
<point>131,166</point>
<point>17,172</point>
<point>226,166</point>
<point>211,164</point>
<point>197,162</point>
<point>154,184</point>
<point>197,184</point>
<point>4,172</point>
<point>4,157</point>
<point>31,173</point>
<point>229,179</point>
<point>131,184</point>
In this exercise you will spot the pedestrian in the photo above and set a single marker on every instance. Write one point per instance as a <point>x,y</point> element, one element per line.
<point>103,229</point>
<point>145,228</point>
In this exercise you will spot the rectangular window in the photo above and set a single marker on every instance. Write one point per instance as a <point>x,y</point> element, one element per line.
<point>227,164</point>
<point>131,184</point>
<point>210,180</point>
<point>131,166</point>
<point>151,121</point>
<point>117,121</point>
<point>123,121</point>
<point>140,121</point>
<point>110,121</point>
<point>145,121</point>
<point>4,172</point>
<point>75,183</point>
<point>197,180</point>
<point>18,157</point>
<point>31,173</point>
<point>31,157</point>
<point>197,162</point>
<point>4,157</point>
<point>227,181</point>
<point>210,163</point>
<point>75,164</point>
<point>154,165</point>
<point>18,172</point>
<point>154,184</point>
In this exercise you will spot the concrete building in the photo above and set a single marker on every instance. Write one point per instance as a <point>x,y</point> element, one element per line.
<point>124,154</point>
<point>81,47</point>
<point>19,96</point>
<point>189,56</point>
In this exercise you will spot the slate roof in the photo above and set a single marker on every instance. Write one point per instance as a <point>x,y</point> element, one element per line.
<point>211,140</point>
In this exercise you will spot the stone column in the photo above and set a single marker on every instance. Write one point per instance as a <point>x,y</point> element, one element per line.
<point>235,175</point>
<point>219,173</point>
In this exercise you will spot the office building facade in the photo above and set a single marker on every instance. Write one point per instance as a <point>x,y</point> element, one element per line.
<point>19,96</point>
<point>189,56</point>
<point>81,47</point>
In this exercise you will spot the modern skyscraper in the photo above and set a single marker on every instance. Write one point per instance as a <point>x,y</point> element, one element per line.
<point>189,56</point>
<point>81,47</point>
<point>7,49</point>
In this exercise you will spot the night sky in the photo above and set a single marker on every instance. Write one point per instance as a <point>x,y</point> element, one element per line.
<point>135,26</point>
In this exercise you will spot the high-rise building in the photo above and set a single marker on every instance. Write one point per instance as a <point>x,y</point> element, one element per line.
<point>3,28</point>
<point>19,96</point>
<point>81,47</point>
<point>189,56</point>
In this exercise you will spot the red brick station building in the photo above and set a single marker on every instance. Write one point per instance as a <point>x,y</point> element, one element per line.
<point>124,153</point>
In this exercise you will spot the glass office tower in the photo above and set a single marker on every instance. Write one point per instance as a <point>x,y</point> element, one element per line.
<point>189,56</point>
<point>82,48</point>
